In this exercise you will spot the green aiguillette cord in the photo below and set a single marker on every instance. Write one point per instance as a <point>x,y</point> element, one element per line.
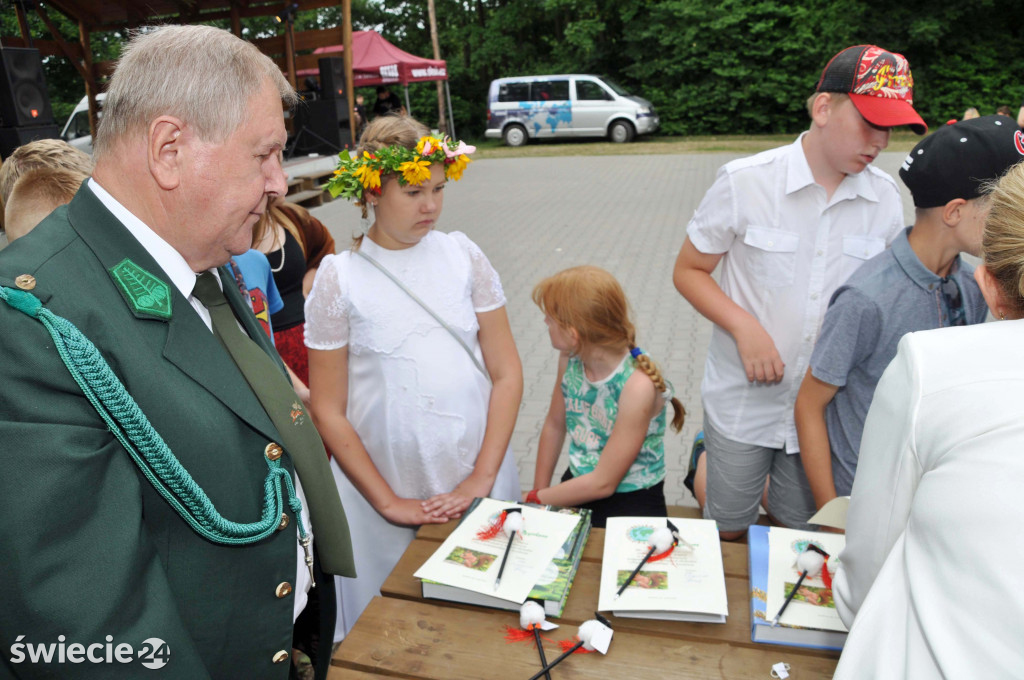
<point>149,451</point>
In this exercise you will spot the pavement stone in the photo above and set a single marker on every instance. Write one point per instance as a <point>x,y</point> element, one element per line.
<point>627,214</point>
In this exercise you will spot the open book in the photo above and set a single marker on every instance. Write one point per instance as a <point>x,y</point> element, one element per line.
<point>465,567</point>
<point>687,585</point>
<point>810,619</point>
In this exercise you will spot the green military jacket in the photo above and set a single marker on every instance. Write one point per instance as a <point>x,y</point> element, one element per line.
<point>87,546</point>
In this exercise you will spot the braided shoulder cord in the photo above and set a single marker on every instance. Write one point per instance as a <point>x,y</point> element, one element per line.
<point>130,426</point>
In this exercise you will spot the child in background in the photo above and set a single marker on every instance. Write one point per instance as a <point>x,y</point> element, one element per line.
<point>417,414</point>
<point>36,194</point>
<point>614,414</point>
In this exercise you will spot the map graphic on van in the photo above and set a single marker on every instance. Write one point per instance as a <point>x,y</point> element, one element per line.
<point>532,112</point>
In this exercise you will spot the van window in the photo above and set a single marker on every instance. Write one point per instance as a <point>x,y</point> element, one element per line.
<point>514,92</point>
<point>550,90</point>
<point>616,88</point>
<point>588,90</point>
<point>79,126</point>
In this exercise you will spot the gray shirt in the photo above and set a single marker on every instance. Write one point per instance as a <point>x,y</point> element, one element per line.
<point>891,295</point>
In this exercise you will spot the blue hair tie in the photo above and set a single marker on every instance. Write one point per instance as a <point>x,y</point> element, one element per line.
<point>635,352</point>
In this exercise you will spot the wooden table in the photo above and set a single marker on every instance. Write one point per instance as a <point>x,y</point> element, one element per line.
<point>402,635</point>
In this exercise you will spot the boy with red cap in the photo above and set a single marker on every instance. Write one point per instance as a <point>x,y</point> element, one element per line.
<point>789,226</point>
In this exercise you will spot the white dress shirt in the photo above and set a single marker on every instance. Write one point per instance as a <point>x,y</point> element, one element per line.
<point>184,279</point>
<point>787,248</point>
<point>930,576</point>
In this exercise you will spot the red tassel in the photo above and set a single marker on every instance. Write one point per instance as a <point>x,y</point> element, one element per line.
<point>566,645</point>
<point>517,634</point>
<point>825,576</point>
<point>492,529</point>
<point>663,555</point>
<point>521,634</point>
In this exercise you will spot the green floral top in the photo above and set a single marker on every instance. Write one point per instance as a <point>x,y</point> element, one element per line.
<point>590,412</point>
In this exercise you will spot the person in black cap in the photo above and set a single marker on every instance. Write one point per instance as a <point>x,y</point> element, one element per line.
<point>920,283</point>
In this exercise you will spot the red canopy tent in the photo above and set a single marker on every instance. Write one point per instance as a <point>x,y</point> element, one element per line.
<point>375,61</point>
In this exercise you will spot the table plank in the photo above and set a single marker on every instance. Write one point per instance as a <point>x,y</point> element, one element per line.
<point>734,555</point>
<point>583,598</point>
<point>428,641</point>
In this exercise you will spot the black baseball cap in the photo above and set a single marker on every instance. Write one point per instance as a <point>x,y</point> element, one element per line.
<point>956,160</point>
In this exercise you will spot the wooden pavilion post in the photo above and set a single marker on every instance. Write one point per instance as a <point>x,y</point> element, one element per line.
<point>289,49</point>
<point>236,19</point>
<point>91,89</point>
<point>442,120</point>
<point>23,23</point>
<point>346,41</point>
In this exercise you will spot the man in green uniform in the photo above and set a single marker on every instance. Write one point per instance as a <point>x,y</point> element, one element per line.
<point>153,487</point>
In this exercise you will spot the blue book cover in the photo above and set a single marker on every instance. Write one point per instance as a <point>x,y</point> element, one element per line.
<point>761,629</point>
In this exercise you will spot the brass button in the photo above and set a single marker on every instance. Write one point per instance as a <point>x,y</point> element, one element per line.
<point>280,656</point>
<point>284,589</point>
<point>283,524</point>
<point>25,282</point>
<point>273,451</point>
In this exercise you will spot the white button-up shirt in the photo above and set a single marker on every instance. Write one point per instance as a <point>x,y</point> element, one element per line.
<point>787,248</point>
<point>184,279</point>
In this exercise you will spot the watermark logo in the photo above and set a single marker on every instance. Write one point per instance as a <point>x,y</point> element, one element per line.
<point>153,653</point>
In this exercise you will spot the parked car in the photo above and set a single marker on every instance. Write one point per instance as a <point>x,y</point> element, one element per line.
<point>568,105</point>
<point>76,131</point>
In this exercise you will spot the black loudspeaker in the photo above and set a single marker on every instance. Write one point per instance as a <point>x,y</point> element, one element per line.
<point>13,137</point>
<point>332,77</point>
<point>327,121</point>
<point>23,96</point>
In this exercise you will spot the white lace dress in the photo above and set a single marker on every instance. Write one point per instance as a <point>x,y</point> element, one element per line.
<point>415,397</point>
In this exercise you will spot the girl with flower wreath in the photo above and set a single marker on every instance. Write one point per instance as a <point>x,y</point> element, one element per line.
<point>609,398</point>
<point>418,413</point>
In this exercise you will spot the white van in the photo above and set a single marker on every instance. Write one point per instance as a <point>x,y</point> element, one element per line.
<point>569,105</point>
<point>76,131</point>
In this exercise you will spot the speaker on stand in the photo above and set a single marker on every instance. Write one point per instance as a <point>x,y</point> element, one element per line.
<point>25,112</point>
<point>325,119</point>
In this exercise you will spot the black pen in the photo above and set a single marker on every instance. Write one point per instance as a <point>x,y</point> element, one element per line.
<point>508,546</point>
<point>540,651</point>
<point>654,546</point>
<point>566,653</point>
<point>803,575</point>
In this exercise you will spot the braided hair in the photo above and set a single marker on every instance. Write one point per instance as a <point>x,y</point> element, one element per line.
<point>590,301</point>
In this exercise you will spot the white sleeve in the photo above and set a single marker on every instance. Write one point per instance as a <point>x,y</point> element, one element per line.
<point>327,306</point>
<point>712,230</point>
<point>888,472</point>
<point>486,284</point>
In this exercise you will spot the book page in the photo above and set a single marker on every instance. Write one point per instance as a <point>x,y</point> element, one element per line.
<point>465,561</point>
<point>691,579</point>
<point>812,606</point>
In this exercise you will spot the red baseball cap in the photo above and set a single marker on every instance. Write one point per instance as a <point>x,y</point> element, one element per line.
<point>879,84</point>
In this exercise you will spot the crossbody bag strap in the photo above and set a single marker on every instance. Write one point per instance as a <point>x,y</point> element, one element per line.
<point>428,310</point>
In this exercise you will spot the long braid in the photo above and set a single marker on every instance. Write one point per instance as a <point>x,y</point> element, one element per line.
<point>643,361</point>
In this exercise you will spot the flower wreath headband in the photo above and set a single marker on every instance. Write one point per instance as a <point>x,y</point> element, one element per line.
<point>356,176</point>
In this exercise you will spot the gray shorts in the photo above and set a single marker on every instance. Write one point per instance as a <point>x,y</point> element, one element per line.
<point>736,474</point>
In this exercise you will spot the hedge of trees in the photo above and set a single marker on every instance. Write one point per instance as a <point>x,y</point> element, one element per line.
<point>709,66</point>
<point>717,66</point>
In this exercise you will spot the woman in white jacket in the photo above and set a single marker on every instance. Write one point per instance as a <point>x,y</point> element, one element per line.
<point>930,577</point>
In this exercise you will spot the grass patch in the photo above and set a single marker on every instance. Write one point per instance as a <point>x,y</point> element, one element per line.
<point>902,141</point>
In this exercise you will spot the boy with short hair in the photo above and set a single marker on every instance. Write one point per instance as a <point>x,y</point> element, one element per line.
<point>919,284</point>
<point>789,225</point>
<point>41,153</point>
<point>36,194</point>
